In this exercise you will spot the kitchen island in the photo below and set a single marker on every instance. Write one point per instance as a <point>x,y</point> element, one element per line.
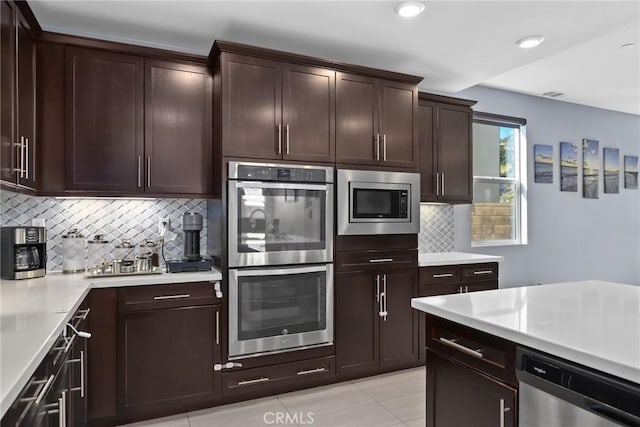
<point>473,339</point>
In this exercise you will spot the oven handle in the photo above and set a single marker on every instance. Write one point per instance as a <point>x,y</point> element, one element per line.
<point>280,185</point>
<point>282,271</point>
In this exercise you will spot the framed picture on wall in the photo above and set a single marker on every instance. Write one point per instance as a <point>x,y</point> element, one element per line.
<point>611,170</point>
<point>543,163</point>
<point>590,169</point>
<point>631,172</point>
<point>568,167</point>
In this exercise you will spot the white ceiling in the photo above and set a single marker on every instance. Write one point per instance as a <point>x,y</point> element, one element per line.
<point>454,44</point>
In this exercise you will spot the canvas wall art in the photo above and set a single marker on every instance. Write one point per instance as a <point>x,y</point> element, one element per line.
<point>611,170</point>
<point>568,167</point>
<point>543,163</point>
<point>590,169</point>
<point>631,172</point>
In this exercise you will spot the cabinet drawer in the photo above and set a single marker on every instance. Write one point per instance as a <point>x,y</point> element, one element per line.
<point>276,376</point>
<point>439,275</point>
<point>481,286</point>
<point>151,297</point>
<point>489,354</point>
<point>479,272</point>
<point>376,260</point>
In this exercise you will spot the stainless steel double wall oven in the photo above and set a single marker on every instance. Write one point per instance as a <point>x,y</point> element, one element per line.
<point>280,254</point>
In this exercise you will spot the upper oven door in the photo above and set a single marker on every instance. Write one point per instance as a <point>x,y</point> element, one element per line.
<point>373,202</point>
<point>273,223</point>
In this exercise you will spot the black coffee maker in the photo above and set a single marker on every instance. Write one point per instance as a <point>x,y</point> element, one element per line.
<point>192,260</point>
<point>24,252</point>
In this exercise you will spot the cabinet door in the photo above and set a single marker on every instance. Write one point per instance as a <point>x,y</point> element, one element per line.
<point>77,415</point>
<point>459,396</point>
<point>166,359</point>
<point>178,116</point>
<point>104,121</point>
<point>308,113</point>
<point>357,331</point>
<point>454,153</point>
<point>399,330</point>
<point>356,120</point>
<point>26,100</point>
<point>251,107</point>
<point>9,151</point>
<point>427,152</point>
<point>481,286</point>
<point>398,124</point>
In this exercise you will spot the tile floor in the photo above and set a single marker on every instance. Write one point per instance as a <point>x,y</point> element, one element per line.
<point>395,399</point>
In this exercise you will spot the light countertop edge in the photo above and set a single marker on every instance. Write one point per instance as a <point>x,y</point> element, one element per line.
<point>607,366</point>
<point>433,259</point>
<point>57,315</point>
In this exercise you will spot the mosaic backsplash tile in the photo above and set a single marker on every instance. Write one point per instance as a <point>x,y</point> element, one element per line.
<point>436,228</point>
<point>115,218</point>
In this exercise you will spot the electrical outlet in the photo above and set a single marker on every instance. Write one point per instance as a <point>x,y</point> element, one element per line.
<point>163,225</point>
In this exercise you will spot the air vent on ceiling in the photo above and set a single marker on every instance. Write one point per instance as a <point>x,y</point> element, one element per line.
<point>553,94</point>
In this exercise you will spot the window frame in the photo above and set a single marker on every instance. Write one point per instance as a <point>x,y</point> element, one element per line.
<point>520,179</point>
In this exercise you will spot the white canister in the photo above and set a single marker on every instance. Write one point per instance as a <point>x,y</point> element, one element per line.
<point>73,252</point>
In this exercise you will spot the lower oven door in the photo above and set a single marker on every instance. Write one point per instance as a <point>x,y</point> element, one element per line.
<point>279,309</point>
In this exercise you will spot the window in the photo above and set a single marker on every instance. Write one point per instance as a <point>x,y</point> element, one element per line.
<point>498,214</point>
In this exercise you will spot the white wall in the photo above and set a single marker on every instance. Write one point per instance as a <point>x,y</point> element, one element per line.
<point>570,238</point>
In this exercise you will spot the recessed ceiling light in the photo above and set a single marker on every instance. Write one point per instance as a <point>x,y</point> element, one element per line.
<point>529,42</point>
<point>409,9</point>
<point>628,46</point>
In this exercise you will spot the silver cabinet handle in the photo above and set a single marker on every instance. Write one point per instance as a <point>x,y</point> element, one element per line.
<point>279,130</point>
<point>378,288</point>
<point>139,171</point>
<point>163,297</point>
<point>26,162</point>
<point>256,381</point>
<point>483,272</point>
<point>42,383</point>
<point>437,276</point>
<point>443,192</point>
<point>82,380</point>
<point>381,260</point>
<point>286,131</point>
<point>82,314</point>
<point>437,184</point>
<point>376,146</point>
<point>311,371</point>
<point>217,327</point>
<point>502,411</point>
<point>383,299</point>
<point>62,409</point>
<point>384,147</point>
<point>467,350</point>
<point>459,289</point>
<point>44,390</point>
<point>148,172</point>
<point>466,289</point>
<point>217,289</point>
<point>22,157</point>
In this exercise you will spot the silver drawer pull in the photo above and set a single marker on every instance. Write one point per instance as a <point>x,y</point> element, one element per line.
<point>381,260</point>
<point>82,314</point>
<point>483,272</point>
<point>311,371</point>
<point>44,390</point>
<point>437,276</point>
<point>462,348</point>
<point>256,381</point>
<point>172,296</point>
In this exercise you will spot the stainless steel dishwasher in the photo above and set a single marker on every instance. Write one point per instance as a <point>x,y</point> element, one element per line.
<point>556,393</point>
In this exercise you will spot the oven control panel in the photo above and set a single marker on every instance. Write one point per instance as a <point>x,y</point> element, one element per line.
<point>282,173</point>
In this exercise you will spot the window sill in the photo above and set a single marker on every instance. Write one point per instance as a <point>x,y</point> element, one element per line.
<point>494,243</point>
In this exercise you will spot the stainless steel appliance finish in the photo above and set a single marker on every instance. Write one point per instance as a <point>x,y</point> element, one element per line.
<point>279,309</point>
<point>279,214</point>
<point>555,393</point>
<point>374,202</point>
<point>23,252</point>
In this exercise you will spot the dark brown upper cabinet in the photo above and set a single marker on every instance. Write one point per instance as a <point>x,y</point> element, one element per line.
<point>18,104</point>
<point>276,110</point>
<point>178,126</point>
<point>136,125</point>
<point>376,122</point>
<point>445,139</point>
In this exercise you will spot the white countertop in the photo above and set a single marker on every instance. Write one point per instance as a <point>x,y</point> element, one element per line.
<point>34,312</point>
<point>593,323</point>
<point>426,259</point>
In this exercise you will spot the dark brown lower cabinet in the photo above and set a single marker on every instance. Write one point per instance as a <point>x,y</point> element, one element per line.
<point>166,359</point>
<point>367,339</point>
<point>458,396</point>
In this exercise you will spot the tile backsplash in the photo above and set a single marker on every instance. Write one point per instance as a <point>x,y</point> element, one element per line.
<point>436,228</point>
<point>115,218</point>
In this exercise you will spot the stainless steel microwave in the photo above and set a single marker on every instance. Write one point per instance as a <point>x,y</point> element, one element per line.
<point>374,202</point>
